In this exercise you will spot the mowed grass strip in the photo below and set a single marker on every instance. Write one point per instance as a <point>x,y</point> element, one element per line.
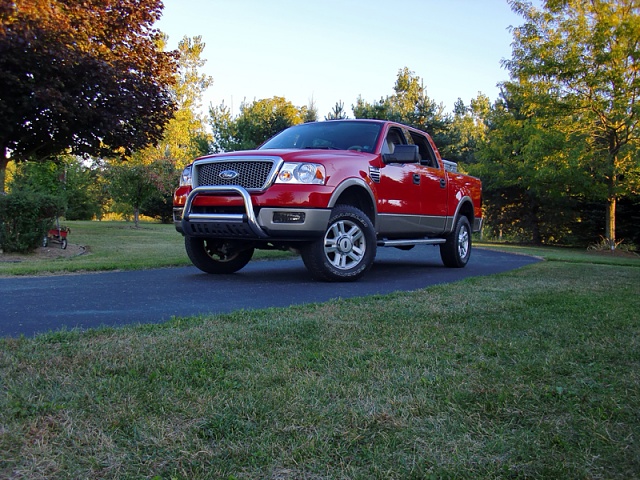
<point>529,374</point>
<point>112,245</point>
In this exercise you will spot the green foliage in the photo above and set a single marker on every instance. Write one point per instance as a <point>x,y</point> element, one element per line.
<point>262,119</point>
<point>185,136</point>
<point>310,112</point>
<point>467,130</point>
<point>338,112</point>
<point>25,218</point>
<point>410,105</point>
<point>159,204</point>
<point>154,171</point>
<point>84,191</point>
<point>77,185</point>
<point>225,129</point>
<point>84,77</point>
<point>534,188</point>
<point>575,65</point>
<point>257,122</point>
<point>130,184</point>
<point>143,188</point>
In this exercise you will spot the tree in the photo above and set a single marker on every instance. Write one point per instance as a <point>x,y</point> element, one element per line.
<point>310,114</point>
<point>338,112</point>
<point>81,77</point>
<point>76,185</point>
<point>225,129</point>
<point>130,184</point>
<point>185,136</point>
<point>159,204</point>
<point>257,122</point>
<point>517,158</point>
<point>467,129</point>
<point>84,190</point>
<point>410,105</point>
<point>262,119</point>
<point>576,64</point>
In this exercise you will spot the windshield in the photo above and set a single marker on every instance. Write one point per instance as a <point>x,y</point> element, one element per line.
<point>329,135</point>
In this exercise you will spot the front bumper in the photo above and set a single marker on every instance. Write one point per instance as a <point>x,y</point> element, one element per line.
<point>264,223</point>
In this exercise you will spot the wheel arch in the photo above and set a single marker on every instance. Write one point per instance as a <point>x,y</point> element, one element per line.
<point>357,193</point>
<point>465,208</point>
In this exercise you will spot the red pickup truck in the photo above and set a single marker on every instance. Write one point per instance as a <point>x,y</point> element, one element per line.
<point>331,191</point>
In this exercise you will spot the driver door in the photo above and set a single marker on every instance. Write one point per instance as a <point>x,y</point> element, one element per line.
<point>399,191</point>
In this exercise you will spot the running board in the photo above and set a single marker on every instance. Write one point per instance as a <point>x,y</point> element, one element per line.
<point>408,242</point>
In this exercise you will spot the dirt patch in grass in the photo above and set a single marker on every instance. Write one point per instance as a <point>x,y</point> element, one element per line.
<point>44,253</point>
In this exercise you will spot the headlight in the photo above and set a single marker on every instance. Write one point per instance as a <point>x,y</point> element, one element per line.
<point>302,173</point>
<point>185,178</point>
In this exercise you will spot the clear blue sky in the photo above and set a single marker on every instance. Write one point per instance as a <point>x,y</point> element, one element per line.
<point>334,50</point>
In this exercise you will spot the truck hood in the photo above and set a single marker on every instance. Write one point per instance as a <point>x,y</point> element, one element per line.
<point>307,155</point>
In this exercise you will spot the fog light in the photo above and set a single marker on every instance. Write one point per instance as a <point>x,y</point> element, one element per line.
<point>288,217</point>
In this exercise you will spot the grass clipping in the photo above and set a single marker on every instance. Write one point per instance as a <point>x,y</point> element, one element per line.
<point>529,374</point>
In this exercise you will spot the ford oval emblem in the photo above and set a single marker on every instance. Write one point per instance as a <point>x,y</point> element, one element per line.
<point>228,174</point>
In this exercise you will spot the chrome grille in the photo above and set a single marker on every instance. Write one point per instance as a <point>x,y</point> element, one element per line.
<point>252,175</point>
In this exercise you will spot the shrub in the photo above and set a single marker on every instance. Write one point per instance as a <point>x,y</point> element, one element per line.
<point>25,218</point>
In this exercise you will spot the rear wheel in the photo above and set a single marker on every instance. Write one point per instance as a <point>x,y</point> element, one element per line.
<point>216,256</point>
<point>456,251</point>
<point>347,249</point>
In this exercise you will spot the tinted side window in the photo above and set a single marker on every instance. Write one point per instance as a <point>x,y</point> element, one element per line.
<point>426,152</point>
<point>394,137</point>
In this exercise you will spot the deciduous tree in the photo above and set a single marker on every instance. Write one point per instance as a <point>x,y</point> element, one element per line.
<point>257,122</point>
<point>467,129</point>
<point>81,77</point>
<point>133,183</point>
<point>577,65</point>
<point>185,136</point>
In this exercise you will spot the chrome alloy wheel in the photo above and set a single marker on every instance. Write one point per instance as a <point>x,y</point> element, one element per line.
<point>344,244</point>
<point>463,242</point>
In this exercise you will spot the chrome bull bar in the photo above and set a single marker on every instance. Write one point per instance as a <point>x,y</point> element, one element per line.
<point>247,218</point>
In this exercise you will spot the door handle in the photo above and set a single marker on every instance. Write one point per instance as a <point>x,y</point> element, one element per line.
<point>416,178</point>
<point>443,183</point>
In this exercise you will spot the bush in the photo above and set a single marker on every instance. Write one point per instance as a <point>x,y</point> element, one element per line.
<point>25,218</point>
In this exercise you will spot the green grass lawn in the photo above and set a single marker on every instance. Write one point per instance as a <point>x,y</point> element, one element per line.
<point>113,246</point>
<point>533,373</point>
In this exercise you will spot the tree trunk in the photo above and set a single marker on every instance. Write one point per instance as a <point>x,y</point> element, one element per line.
<point>610,228</point>
<point>136,216</point>
<point>4,161</point>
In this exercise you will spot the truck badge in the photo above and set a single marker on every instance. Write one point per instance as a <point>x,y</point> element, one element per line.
<point>228,174</point>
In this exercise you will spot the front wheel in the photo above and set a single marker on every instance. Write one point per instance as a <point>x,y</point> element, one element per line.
<point>347,249</point>
<point>456,251</point>
<point>215,256</point>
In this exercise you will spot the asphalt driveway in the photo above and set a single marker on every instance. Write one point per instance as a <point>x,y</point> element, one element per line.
<point>32,305</point>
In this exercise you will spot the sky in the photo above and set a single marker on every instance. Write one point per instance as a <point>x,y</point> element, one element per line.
<point>328,51</point>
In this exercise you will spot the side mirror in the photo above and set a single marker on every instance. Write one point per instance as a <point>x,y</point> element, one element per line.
<point>402,154</point>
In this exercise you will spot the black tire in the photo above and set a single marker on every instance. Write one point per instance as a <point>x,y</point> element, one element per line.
<point>216,256</point>
<point>346,250</point>
<point>456,251</point>
<point>63,244</point>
